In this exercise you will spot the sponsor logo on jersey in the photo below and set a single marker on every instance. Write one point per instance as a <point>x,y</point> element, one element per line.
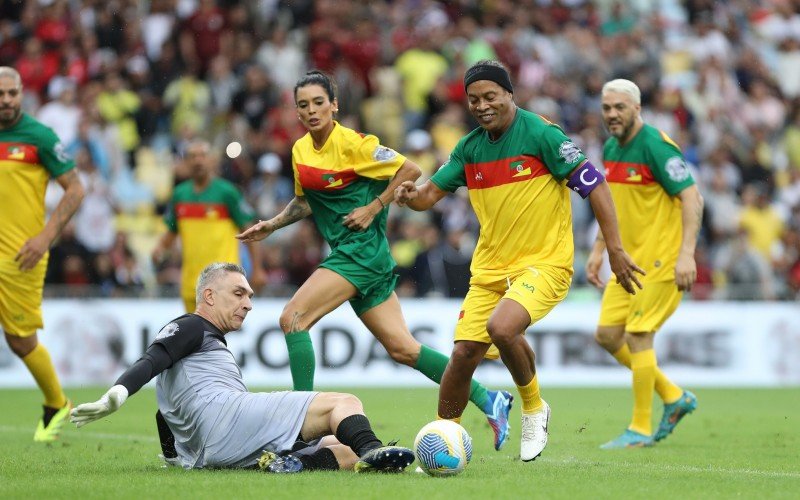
<point>676,169</point>
<point>382,153</point>
<point>168,331</point>
<point>569,152</point>
<point>528,287</point>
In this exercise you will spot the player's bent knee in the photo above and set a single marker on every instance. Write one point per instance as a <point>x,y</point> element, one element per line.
<point>21,346</point>
<point>291,319</point>
<point>608,337</point>
<point>501,334</point>
<point>467,353</point>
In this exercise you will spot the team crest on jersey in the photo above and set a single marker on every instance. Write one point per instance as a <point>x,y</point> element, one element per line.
<point>520,168</point>
<point>633,175</point>
<point>676,169</point>
<point>382,153</point>
<point>569,152</point>
<point>16,153</point>
<point>168,331</point>
<point>332,181</point>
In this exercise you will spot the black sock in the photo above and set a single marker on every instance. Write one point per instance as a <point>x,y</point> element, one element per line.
<point>166,437</point>
<point>355,432</point>
<point>49,413</point>
<point>322,459</point>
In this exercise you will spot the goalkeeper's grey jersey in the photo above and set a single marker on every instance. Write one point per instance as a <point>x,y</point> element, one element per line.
<point>215,420</point>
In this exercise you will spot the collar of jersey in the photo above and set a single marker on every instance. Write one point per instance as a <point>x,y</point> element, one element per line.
<point>335,130</point>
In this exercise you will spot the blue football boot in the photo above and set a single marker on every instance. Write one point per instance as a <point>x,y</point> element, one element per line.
<point>673,413</point>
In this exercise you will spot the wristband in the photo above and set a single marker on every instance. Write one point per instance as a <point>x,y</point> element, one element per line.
<point>584,179</point>
<point>383,205</point>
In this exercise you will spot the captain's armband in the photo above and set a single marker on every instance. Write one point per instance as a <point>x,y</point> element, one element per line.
<point>584,179</point>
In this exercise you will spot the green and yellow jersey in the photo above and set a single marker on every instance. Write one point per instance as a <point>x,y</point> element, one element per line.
<point>517,189</point>
<point>30,154</point>
<point>349,171</point>
<point>207,223</point>
<point>645,176</point>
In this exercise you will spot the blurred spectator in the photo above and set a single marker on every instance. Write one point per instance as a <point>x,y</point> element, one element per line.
<point>270,190</point>
<point>743,271</point>
<point>281,58</point>
<point>760,220</point>
<point>62,114</point>
<point>203,34</point>
<point>188,99</point>
<point>257,96</point>
<point>118,106</point>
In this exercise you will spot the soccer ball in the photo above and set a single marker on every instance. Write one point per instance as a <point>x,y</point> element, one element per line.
<point>443,448</point>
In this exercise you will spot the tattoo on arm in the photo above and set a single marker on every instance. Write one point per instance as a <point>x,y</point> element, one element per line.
<point>66,208</point>
<point>296,209</point>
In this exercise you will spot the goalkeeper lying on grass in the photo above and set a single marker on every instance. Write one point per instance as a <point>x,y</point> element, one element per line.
<point>212,418</point>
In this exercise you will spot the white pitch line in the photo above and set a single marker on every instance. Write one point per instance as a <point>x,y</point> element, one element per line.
<point>677,468</point>
<point>79,432</point>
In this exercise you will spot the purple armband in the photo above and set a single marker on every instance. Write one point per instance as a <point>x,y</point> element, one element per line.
<point>585,179</point>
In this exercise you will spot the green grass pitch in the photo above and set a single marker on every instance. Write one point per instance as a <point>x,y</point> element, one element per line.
<point>739,443</point>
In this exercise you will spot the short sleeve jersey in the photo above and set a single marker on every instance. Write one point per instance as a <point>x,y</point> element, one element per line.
<point>207,223</point>
<point>30,154</point>
<point>645,176</point>
<point>517,189</point>
<point>349,171</point>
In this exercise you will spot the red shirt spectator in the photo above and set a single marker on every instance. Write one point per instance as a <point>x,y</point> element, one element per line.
<point>36,67</point>
<point>204,30</point>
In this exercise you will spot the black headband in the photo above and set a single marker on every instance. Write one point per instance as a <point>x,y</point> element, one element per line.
<point>495,74</point>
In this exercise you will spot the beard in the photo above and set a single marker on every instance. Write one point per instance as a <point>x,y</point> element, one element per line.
<point>9,116</point>
<point>623,129</point>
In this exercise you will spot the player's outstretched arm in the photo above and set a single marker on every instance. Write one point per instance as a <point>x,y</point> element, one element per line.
<point>360,218</point>
<point>622,265</point>
<point>109,403</point>
<point>297,209</point>
<point>155,360</point>
<point>692,217</point>
<point>418,198</point>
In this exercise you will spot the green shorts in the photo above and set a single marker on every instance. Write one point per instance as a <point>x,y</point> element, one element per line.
<point>374,287</point>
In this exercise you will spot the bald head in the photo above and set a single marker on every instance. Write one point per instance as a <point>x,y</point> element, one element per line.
<point>9,72</point>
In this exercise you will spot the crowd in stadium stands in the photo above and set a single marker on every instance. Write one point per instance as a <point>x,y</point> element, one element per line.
<point>127,83</point>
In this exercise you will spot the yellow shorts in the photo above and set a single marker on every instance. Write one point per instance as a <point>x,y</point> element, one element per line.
<point>21,297</point>
<point>538,290</point>
<point>644,312</point>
